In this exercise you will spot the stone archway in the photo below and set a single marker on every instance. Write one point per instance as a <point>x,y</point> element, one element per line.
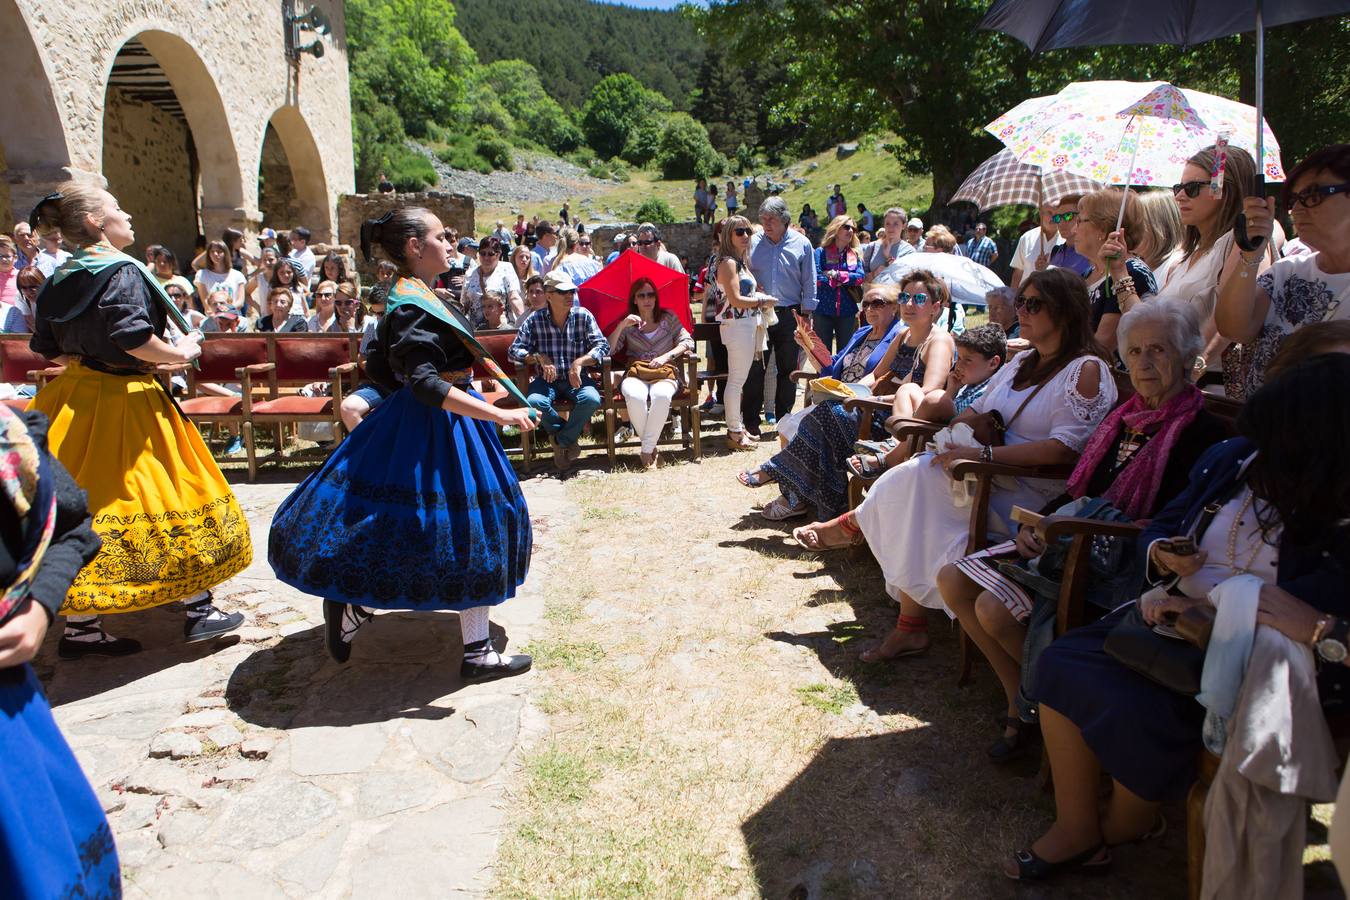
<point>292,188</point>
<point>168,152</point>
<point>33,150</point>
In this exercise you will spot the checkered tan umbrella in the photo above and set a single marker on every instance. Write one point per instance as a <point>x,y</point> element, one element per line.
<point>1002,180</point>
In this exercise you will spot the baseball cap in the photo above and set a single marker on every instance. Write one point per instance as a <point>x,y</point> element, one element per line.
<point>267,233</point>
<point>559,281</point>
<point>467,242</point>
<point>915,222</point>
<point>620,238</point>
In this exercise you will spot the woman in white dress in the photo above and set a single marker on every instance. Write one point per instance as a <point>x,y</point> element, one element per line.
<point>1050,399</point>
<point>492,275</point>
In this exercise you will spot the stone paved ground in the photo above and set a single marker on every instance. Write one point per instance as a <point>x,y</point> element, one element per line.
<point>256,767</point>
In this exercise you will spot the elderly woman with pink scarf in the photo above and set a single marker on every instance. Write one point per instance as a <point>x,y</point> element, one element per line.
<point>1137,460</point>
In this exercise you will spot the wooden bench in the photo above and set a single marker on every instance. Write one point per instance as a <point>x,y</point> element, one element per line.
<point>685,404</point>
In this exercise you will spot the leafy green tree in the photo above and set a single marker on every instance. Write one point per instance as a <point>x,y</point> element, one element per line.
<point>724,102</point>
<point>537,116</point>
<point>617,105</point>
<point>686,152</point>
<point>654,210</point>
<point>643,142</point>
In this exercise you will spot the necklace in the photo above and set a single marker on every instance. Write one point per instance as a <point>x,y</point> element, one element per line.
<point>1233,532</point>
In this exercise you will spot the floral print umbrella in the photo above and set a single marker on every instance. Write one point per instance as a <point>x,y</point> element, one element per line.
<point>1128,132</point>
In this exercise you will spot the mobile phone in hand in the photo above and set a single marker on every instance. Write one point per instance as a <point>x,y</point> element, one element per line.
<point>1183,546</point>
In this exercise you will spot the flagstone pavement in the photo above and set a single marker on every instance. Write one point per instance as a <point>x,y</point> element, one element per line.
<point>256,767</point>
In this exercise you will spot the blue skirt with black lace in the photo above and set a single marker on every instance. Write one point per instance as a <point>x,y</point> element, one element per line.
<point>417,509</point>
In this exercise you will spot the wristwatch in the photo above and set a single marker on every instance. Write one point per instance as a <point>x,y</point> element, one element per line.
<point>1332,647</point>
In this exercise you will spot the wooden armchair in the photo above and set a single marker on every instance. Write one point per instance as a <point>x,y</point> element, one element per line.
<point>978,538</point>
<point>685,405</point>
<point>295,360</point>
<point>20,365</point>
<point>711,333</point>
<point>914,432</point>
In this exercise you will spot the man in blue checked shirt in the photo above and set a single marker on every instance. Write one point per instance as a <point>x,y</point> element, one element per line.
<point>561,341</point>
<point>981,247</point>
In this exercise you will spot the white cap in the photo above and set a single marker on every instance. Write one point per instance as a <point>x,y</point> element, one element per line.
<point>915,222</point>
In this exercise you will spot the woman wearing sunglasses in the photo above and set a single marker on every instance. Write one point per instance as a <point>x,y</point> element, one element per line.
<point>491,275</point>
<point>839,276</point>
<point>740,322</point>
<point>810,469</point>
<point>1260,312</point>
<point>1050,399</point>
<point>1194,270</point>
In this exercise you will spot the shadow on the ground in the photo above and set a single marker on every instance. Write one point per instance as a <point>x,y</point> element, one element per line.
<point>160,631</point>
<point>810,841</point>
<point>404,665</point>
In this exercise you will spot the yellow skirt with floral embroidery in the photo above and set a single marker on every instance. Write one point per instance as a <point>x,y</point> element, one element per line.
<point>170,524</point>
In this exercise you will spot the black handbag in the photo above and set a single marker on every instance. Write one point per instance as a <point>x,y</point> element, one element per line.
<point>1173,663</point>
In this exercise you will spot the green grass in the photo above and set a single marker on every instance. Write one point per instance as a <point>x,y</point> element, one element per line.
<point>573,656</point>
<point>556,776</point>
<point>830,698</point>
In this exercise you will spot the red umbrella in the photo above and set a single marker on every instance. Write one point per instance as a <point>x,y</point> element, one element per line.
<point>605,293</point>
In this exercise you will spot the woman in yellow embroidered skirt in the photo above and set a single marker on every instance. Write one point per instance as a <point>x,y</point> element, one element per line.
<point>171,526</point>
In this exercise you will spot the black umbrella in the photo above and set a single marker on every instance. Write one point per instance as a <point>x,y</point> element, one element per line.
<point>1056,24</point>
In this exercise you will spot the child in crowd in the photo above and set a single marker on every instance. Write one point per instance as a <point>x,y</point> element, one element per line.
<point>980,352</point>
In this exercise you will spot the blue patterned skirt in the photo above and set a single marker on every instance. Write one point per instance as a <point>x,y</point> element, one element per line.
<point>54,838</point>
<point>417,509</point>
<point>811,467</point>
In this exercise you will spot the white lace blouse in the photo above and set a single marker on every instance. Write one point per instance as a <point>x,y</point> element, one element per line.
<point>1058,411</point>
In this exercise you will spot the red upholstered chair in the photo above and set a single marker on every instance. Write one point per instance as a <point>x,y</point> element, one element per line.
<point>20,365</point>
<point>223,359</point>
<point>685,405</point>
<point>293,361</point>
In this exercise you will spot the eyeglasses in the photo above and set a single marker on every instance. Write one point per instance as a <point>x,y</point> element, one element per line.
<point>918,299</point>
<point>641,294</point>
<point>741,232</point>
<point>347,302</point>
<point>1313,196</point>
<point>321,294</point>
<point>31,289</point>
<point>176,295</point>
<point>553,290</point>
<point>846,227</point>
<point>1191,188</point>
<point>492,253</point>
<point>1057,218</point>
<point>7,257</point>
<point>646,243</point>
<point>874,304</point>
<point>1032,305</point>
<point>585,243</point>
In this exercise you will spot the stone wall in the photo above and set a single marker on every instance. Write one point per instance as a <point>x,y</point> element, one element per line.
<point>277,198</point>
<point>226,64</point>
<point>147,158</point>
<point>454,210</point>
<point>687,240</point>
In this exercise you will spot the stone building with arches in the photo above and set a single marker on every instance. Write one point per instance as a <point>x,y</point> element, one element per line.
<point>190,110</point>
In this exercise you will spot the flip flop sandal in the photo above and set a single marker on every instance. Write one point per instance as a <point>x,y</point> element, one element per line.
<point>867,466</point>
<point>753,479</point>
<point>799,535</point>
<point>779,510</point>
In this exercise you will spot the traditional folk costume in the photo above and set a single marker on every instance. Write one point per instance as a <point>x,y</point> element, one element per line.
<point>418,508</point>
<point>54,838</point>
<point>170,524</point>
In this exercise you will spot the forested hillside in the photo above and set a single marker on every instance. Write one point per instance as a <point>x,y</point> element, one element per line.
<point>575,43</point>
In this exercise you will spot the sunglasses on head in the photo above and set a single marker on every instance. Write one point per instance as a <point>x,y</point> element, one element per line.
<point>741,232</point>
<point>1032,305</point>
<point>918,299</point>
<point>1192,189</point>
<point>1309,198</point>
<point>874,304</point>
<point>1057,218</point>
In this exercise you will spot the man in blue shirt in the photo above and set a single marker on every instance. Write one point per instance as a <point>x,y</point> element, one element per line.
<point>545,247</point>
<point>784,264</point>
<point>1065,218</point>
<point>981,247</point>
<point>561,341</point>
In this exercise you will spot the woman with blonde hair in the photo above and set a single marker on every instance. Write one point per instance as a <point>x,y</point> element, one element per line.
<point>217,274</point>
<point>172,528</point>
<point>1162,229</point>
<point>939,239</point>
<point>1119,279</point>
<point>839,277</point>
<point>741,321</point>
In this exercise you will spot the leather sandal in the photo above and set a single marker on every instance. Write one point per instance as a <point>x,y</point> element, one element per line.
<point>1008,748</point>
<point>868,466</point>
<point>1031,867</point>
<point>753,478</point>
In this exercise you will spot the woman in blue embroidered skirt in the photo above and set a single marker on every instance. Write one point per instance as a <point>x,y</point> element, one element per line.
<point>418,508</point>
<point>54,839</point>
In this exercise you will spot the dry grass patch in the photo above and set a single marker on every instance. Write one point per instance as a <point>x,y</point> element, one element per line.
<point>713,733</point>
